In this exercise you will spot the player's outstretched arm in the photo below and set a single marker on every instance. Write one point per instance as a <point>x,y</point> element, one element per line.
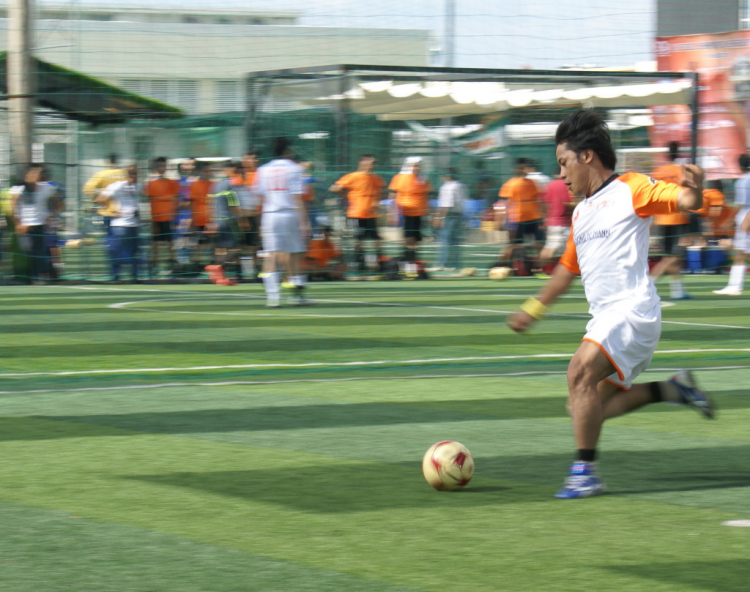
<point>691,196</point>
<point>535,308</point>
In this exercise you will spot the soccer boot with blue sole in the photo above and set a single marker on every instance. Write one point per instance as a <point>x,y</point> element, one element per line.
<point>582,481</point>
<point>691,395</point>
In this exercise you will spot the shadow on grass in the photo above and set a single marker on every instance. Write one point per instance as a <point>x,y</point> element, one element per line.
<point>348,486</point>
<point>345,487</point>
<point>732,575</point>
<point>296,417</point>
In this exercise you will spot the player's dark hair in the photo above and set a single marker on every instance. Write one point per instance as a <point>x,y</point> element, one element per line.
<point>252,151</point>
<point>744,162</point>
<point>522,161</point>
<point>112,158</point>
<point>365,156</point>
<point>160,160</point>
<point>674,150</point>
<point>451,173</point>
<point>280,146</point>
<point>586,130</point>
<point>716,184</point>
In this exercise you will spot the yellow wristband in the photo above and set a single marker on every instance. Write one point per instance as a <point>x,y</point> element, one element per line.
<point>534,308</point>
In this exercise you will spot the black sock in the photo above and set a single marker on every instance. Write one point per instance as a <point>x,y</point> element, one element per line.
<point>656,394</point>
<point>586,455</point>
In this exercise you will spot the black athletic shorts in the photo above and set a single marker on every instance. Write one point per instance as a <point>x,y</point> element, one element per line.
<point>251,237</point>
<point>671,235</point>
<point>520,230</point>
<point>227,235</point>
<point>413,227</point>
<point>161,231</point>
<point>694,225</point>
<point>365,228</point>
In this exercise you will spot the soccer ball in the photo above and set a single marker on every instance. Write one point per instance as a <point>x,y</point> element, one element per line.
<point>499,273</point>
<point>448,465</point>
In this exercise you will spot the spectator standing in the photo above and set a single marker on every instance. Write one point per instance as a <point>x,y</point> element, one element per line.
<point>163,194</point>
<point>672,228</point>
<point>449,221</point>
<point>182,222</point>
<point>409,192</point>
<point>226,224</point>
<point>200,211</point>
<point>284,223</point>
<point>524,213</point>
<point>31,203</point>
<point>559,204</point>
<point>98,182</point>
<point>124,197</point>
<point>742,232</point>
<point>250,212</point>
<point>364,192</point>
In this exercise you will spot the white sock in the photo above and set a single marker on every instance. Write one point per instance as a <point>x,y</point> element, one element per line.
<point>737,276</point>
<point>271,284</point>
<point>675,288</point>
<point>299,280</point>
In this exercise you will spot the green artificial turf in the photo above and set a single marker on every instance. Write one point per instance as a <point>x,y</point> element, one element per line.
<point>298,467</point>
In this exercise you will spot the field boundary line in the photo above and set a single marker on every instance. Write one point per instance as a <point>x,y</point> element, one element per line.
<point>326,380</point>
<point>341,364</point>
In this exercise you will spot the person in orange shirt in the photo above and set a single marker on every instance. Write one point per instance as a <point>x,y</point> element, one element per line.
<point>323,259</point>
<point>364,191</point>
<point>250,211</point>
<point>672,227</point>
<point>200,210</point>
<point>409,192</point>
<point>525,214</point>
<point>163,194</point>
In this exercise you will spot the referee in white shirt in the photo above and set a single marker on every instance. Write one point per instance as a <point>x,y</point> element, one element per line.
<point>449,221</point>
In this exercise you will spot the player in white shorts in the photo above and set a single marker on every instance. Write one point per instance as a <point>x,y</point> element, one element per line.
<point>284,224</point>
<point>741,233</point>
<point>608,247</point>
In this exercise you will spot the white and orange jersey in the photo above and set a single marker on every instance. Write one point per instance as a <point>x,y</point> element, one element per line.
<point>277,182</point>
<point>608,243</point>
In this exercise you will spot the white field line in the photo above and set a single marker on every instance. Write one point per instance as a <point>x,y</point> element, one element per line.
<point>342,364</point>
<point>392,304</point>
<point>323,380</point>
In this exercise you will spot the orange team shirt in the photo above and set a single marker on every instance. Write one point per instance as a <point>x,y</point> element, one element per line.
<point>712,198</point>
<point>322,251</point>
<point>249,181</point>
<point>163,194</point>
<point>524,198</point>
<point>199,202</point>
<point>670,173</point>
<point>411,194</point>
<point>364,191</point>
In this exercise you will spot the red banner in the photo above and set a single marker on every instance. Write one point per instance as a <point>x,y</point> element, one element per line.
<point>723,63</point>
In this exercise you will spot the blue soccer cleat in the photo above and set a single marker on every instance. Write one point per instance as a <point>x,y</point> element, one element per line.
<point>582,481</point>
<point>691,395</point>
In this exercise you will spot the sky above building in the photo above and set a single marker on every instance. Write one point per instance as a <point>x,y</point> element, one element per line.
<point>488,33</point>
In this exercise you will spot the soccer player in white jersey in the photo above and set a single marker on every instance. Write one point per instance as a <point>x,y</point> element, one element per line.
<point>741,233</point>
<point>608,247</point>
<point>284,224</point>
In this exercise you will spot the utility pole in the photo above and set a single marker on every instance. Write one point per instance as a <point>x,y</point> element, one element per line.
<point>450,33</point>
<point>20,83</point>
<point>449,42</point>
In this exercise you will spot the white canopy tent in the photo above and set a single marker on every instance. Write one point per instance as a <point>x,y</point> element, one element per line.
<point>390,101</point>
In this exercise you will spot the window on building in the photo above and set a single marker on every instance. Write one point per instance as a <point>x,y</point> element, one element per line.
<point>134,85</point>
<point>257,21</point>
<point>97,16</point>
<point>745,14</point>
<point>229,96</point>
<point>160,90</point>
<point>187,95</point>
<point>190,19</point>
